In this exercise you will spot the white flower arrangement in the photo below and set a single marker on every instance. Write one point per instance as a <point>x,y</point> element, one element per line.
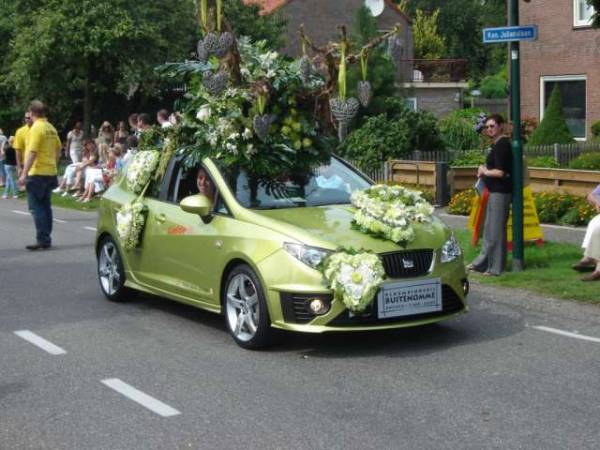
<point>141,169</point>
<point>130,222</point>
<point>391,211</point>
<point>354,279</point>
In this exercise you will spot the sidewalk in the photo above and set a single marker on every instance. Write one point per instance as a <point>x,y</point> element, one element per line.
<point>556,233</point>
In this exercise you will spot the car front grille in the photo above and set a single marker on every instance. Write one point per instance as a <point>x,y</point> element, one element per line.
<point>407,263</point>
<point>451,303</point>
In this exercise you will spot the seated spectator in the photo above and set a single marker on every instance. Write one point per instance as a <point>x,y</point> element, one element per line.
<point>591,242</point>
<point>121,133</point>
<point>99,179</point>
<point>73,173</point>
<point>105,134</point>
<point>162,117</point>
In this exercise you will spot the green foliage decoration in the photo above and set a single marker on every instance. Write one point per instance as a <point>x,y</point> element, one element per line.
<point>246,20</point>
<point>553,128</point>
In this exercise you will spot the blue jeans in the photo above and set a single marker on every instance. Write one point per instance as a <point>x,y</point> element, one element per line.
<point>39,194</point>
<point>11,180</point>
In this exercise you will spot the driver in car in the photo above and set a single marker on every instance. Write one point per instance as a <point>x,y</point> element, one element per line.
<point>205,184</point>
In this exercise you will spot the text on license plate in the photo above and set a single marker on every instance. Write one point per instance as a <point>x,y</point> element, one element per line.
<point>409,298</point>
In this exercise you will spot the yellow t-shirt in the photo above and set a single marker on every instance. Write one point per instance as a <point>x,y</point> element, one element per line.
<point>43,140</point>
<point>20,142</point>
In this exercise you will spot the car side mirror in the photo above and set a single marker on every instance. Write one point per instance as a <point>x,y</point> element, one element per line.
<point>197,204</point>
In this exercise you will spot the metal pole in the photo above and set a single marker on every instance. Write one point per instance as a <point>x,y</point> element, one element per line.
<point>517,146</point>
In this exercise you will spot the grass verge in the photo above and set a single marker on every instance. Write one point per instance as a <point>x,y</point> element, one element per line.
<point>547,271</point>
<point>72,203</point>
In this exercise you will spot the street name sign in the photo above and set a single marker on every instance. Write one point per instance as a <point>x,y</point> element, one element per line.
<point>510,34</point>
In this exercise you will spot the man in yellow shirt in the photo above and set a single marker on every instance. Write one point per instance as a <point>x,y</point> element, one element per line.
<point>20,142</point>
<point>39,173</point>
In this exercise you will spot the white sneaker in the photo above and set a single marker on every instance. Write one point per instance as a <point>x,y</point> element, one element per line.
<point>57,190</point>
<point>65,194</point>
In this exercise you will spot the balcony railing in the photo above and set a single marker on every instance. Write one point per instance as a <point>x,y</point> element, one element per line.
<point>434,70</point>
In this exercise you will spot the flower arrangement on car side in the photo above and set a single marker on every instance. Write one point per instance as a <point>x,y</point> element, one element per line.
<point>391,212</point>
<point>130,222</point>
<point>354,277</point>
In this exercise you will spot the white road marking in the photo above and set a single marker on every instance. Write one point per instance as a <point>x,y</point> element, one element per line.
<point>23,213</point>
<point>40,342</point>
<point>90,228</point>
<point>60,221</point>
<point>568,334</point>
<point>154,405</point>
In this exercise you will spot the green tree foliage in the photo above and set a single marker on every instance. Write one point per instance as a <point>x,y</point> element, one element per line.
<point>69,52</point>
<point>461,23</point>
<point>553,127</point>
<point>494,86</point>
<point>245,20</point>
<point>428,42</point>
<point>458,129</point>
<point>596,16</point>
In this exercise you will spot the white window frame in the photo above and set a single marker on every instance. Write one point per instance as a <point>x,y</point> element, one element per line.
<point>577,4</point>
<point>411,103</point>
<point>544,79</point>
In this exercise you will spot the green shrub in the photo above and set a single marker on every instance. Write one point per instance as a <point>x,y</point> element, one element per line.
<point>543,161</point>
<point>377,140</point>
<point>596,129</point>
<point>458,129</point>
<point>461,202</point>
<point>494,86</point>
<point>586,161</point>
<point>468,158</point>
<point>553,128</point>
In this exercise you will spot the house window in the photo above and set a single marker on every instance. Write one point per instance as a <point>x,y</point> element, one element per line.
<point>582,13</point>
<point>411,103</point>
<point>573,96</point>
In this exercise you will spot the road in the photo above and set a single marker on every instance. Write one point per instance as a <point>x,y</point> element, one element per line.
<point>154,374</point>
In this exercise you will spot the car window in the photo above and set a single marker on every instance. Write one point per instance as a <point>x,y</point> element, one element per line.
<point>331,183</point>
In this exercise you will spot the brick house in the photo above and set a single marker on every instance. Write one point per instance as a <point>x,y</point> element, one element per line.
<point>567,55</point>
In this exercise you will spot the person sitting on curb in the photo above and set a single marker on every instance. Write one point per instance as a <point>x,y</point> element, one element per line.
<point>591,242</point>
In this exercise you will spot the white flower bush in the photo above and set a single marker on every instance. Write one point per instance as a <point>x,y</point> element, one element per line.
<point>354,279</point>
<point>391,211</point>
<point>141,169</point>
<point>130,222</point>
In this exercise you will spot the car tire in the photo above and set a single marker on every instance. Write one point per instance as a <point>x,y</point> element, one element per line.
<point>111,273</point>
<point>246,314</point>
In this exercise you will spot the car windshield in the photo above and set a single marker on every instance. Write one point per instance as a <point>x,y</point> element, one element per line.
<point>329,184</point>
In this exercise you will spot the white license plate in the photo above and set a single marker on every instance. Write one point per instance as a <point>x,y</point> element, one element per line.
<point>409,298</point>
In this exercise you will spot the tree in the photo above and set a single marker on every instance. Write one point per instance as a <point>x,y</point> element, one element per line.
<point>596,16</point>
<point>245,20</point>
<point>428,42</point>
<point>461,23</point>
<point>553,129</point>
<point>95,55</point>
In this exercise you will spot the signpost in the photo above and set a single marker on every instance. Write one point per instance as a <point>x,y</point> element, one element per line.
<point>513,34</point>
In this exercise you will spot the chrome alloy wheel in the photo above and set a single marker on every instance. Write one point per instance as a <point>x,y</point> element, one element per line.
<point>242,307</point>
<point>109,268</point>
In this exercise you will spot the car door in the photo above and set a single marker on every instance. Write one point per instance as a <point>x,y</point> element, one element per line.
<point>182,255</point>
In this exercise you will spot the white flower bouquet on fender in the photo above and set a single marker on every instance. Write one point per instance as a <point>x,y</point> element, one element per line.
<point>141,169</point>
<point>130,222</point>
<point>354,278</point>
<point>390,212</point>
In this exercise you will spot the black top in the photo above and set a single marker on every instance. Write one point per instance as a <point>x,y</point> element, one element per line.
<point>10,156</point>
<point>500,157</point>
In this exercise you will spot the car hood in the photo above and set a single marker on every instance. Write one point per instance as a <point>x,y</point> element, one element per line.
<point>333,225</point>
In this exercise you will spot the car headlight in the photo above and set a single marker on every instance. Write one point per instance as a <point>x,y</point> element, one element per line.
<point>311,256</point>
<point>451,250</point>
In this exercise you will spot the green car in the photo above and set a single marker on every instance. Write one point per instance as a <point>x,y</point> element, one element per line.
<point>251,249</point>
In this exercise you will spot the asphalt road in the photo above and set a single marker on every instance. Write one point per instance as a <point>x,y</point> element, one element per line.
<point>489,379</point>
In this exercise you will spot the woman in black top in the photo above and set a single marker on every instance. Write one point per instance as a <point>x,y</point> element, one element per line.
<point>10,169</point>
<point>496,175</point>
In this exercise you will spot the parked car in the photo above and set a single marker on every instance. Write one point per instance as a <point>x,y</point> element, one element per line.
<point>252,252</point>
